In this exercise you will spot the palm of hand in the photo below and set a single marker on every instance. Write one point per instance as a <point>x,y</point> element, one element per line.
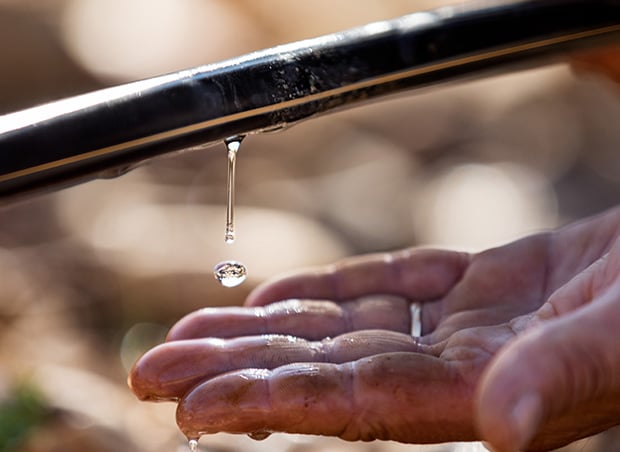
<point>373,381</point>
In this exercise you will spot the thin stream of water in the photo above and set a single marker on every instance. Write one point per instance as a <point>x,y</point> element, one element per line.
<point>232,145</point>
<point>230,273</point>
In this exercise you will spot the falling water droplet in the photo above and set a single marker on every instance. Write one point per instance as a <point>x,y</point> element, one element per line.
<point>232,145</point>
<point>259,436</point>
<point>193,445</point>
<point>230,273</point>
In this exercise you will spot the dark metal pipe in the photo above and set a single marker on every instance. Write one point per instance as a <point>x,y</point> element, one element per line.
<point>103,133</point>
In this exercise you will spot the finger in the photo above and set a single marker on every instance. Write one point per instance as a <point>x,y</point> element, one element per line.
<point>310,319</point>
<point>544,376</point>
<point>583,288</point>
<point>171,369</point>
<point>418,274</point>
<point>405,397</point>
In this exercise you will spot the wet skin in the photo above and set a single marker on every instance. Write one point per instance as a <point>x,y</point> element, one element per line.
<point>538,316</point>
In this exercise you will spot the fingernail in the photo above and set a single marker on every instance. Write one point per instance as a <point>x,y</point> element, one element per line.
<point>526,415</point>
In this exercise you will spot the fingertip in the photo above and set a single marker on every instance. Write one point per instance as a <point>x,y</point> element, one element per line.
<point>167,371</point>
<point>280,288</point>
<point>491,426</point>
<point>302,398</point>
<point>509,408</point>
<point>197,324</point>
<point>217,322</point>
<point>263,294</point>
<point>512,429</point>
<point>494,427</point>
<point>526,417</point>
<point>141,379</point>
<point>234,403</point>
<point>178,331</point>
<point>205,322</point>
<point>257,296</point>
<point>413,273</point>
<point>133,381</point>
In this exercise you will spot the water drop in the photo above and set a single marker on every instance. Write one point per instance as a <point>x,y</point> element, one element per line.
<point>230,273</point>
<point>232,145</point>
<point>416,319</point>
<point>193,445</point>
<point>259,436</point>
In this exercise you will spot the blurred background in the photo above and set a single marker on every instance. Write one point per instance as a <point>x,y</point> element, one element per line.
<point>94,275</point>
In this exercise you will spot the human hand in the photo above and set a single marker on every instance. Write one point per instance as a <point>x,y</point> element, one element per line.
<point>534,318</point>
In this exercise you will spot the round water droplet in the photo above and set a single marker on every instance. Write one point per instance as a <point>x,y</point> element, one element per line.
<point>193,445</point>
<point>259,436</point>
<point>230,273</point>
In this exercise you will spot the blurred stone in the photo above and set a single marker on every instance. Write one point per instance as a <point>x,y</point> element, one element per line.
<point>18,294</point>
<point>152,427</point>
<point>60,436</point>
<point>160,257</point>
<point>29,222</point>
<point>475,206</point>
<point>366,190</point>
<point>138,339</point>
<point>599,100</point>
<point>583,192</point>
<point>283,17</point>
<point>542,132</point>
<point>426,123</point>
<point>35,67</point>
<point>145,238</point>
<point>121,40</point>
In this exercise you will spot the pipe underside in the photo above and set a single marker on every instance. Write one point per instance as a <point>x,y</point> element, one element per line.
<point>105,133</point>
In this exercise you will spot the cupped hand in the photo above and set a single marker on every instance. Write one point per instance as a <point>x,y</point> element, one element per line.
<point>519,346</point>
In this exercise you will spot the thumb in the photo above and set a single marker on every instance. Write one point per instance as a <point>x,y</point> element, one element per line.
<point>546,373</point>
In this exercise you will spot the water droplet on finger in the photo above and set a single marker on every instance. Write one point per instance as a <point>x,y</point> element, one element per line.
<point>259,436</point>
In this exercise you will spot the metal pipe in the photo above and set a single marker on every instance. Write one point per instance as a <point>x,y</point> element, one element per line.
<point>104,133</point>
